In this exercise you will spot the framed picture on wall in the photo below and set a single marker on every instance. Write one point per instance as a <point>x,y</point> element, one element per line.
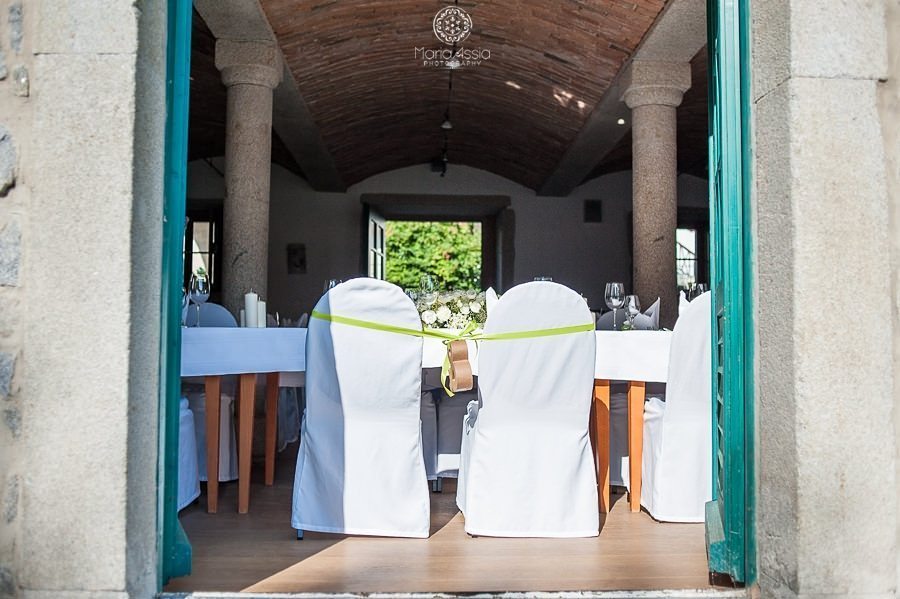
<point>296,258</point>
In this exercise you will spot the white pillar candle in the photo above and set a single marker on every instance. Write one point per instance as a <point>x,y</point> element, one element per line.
<point>261,313</point>
<point>243,317</point>
<point>251,301</point>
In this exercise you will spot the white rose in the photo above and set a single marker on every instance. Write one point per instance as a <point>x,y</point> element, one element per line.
<point>475,307</point>
<point>443,313</point>
<point>428,317</point>
<point>471,294</point>
<point>464,309</point>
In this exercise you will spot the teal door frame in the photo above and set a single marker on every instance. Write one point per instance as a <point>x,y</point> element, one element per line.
<point>731,516</point>
<point>173,546</point>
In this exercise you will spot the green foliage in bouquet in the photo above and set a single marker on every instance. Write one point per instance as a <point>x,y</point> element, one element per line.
<point>449,252</point>
<point>451,309</point>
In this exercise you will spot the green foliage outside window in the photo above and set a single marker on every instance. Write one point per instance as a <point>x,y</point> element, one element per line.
<point>449,252</point>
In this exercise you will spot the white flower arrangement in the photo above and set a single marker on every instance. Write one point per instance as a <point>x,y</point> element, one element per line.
<point>451,309</point>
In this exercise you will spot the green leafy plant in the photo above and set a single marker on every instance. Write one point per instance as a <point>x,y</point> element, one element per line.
<point>448,251</point>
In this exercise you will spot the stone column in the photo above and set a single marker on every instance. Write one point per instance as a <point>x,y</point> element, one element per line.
<point>251,71</point>
<point>653,90</point>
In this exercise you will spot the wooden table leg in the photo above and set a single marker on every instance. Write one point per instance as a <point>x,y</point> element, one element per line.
<point>213,399</point>
<point>246,395</point>
<point>637,391</point>
<point>601,441</point>
<point>271,422</point>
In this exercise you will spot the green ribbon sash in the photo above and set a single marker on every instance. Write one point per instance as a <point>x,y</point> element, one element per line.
<point>470,333</point>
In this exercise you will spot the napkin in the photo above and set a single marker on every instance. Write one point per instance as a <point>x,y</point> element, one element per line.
<point>490,299</point>
<point>653,314</point>
<point>682,302</point>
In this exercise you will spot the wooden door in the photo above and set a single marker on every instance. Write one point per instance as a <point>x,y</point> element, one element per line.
<point>174,547</point>
<point>730,517</point>
<point>375,242</point>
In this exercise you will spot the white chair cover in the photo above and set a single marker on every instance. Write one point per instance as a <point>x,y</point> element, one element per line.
<point>211,315</point>
<point>188,471</point>
<point>527,468</point>
<point>360,468</point>
<point>677,468</point>
<point>450,414</point>
<point>214,315</point>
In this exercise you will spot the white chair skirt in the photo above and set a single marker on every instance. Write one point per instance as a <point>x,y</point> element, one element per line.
<point>188,472</point>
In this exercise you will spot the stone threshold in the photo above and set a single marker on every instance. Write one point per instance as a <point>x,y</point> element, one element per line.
<point>662,594</point>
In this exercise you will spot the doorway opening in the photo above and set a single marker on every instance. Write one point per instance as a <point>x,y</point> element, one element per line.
<point>496,219</point>
<point>434,254</point>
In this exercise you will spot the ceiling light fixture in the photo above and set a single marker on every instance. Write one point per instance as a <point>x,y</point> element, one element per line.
<point>621,121</point>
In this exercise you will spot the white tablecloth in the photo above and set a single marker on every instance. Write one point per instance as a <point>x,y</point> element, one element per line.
<point>621,355</point>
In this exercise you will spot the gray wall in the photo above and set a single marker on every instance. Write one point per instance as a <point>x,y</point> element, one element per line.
<point>827,513</point>
<point>889,110</point>
<point>94,172</point>
<point>585,257</point>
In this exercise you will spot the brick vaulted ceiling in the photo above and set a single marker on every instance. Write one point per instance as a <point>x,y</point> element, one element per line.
<point>378,108</point>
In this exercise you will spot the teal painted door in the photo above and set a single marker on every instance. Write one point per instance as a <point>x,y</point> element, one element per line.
<point>174,548</point>
<point>730,516</point>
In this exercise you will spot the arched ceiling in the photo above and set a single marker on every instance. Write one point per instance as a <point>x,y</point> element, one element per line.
<point>378,108</point>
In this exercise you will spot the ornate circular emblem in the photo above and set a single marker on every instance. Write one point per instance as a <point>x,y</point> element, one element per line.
<point>452,25</point>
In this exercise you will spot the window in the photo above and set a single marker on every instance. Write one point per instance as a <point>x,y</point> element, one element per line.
<point>202,247</point>
<point>686,260</point>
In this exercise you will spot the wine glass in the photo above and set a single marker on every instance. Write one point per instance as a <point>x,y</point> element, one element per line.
<point>615,298</point>
<point>701,289</point>
<point>330,284</point>
<point>544,279</point>
<point>632,308</point>
<point>426,284</point>
<point>199,290</point>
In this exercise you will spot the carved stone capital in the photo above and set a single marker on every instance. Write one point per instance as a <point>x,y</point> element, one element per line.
<point>658,83</point>
<point>249,63</point>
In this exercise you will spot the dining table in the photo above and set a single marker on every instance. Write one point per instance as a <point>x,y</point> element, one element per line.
<point>279,354</point>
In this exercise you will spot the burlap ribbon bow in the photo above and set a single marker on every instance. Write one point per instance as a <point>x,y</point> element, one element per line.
<point>460,371</point>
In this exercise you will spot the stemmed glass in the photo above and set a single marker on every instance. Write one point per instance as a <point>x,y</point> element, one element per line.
<point>331,283</point>
<point>632,308</point>
<point>199,291</point>
<point>615,298</point>
<point>426,284</point>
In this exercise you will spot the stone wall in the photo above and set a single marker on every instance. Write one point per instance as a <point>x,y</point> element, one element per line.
<point>889,110</point>
<point>15,141</point>
<point>827,513</point>
<point>80,236</point>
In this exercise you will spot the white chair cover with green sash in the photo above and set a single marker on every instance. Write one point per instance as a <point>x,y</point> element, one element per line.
<point>360,468</point>
<point>527,467</point>
<point>677,468</point>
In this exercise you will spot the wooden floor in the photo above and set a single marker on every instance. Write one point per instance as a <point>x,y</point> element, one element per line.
<point>259,552</point>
